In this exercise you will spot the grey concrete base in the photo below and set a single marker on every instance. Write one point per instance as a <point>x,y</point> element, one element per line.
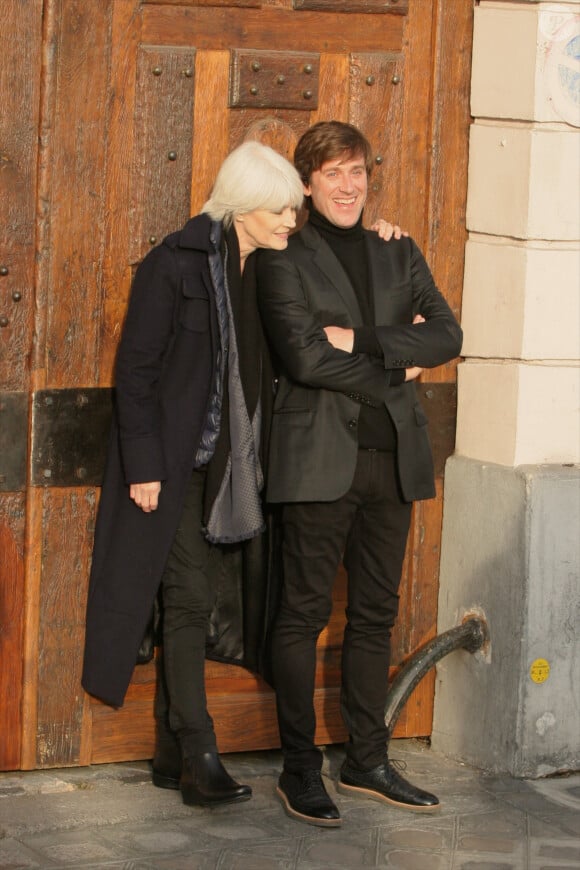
<point>511,553</point>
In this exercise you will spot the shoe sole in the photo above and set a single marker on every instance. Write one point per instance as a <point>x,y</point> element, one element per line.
<point>358,791</point>
<point>195,802</point>
<point>308,820</point>
<point>163,781</point>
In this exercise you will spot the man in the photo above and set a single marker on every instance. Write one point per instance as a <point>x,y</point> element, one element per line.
<point>352,322</point>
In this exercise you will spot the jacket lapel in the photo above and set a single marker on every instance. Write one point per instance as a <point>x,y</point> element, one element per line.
<point>380,277</point>
<point>325,260</point>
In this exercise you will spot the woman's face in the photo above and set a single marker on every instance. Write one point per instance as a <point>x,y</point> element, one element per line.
<point>264,229</point>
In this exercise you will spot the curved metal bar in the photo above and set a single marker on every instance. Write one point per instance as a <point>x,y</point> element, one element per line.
<point>470,636</point>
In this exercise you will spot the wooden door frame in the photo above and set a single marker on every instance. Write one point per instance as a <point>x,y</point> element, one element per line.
<point>49,171</point>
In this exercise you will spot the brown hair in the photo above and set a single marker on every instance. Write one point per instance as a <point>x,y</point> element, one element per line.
<point>328,140</point>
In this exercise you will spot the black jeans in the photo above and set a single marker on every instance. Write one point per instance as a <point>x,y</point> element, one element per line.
<point>188,596</point>
<point>368,529</point>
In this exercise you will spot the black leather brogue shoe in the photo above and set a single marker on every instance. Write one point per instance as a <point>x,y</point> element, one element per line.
<point>384,783</point>
<point>305,798</point>
<point>167,760</point>
<point>205,782</point>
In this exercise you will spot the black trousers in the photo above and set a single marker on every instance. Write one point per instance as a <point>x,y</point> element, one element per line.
<point>192,575</point>
<point>367,528</point>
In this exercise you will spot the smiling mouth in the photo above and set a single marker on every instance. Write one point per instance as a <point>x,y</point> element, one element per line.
<point>350,201</point>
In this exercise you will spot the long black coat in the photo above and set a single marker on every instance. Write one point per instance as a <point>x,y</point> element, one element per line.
<point>165,369</point>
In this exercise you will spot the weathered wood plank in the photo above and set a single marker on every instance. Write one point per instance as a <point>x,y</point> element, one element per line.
<point>451,121</point>
<point>415,154</point>
<point>161,174</point>
<point>256,4</point>
<point>210,123</point>
<point>376,107</point>
<point>219,28</point>
<point>333,100</point>
<point>67,538</point>
<point>20,65</point>
<point>393,7</point>
<point>31,610</point>
<point>125,39</point>
<point>75,133</point>
<point>418,612</point>
<point>12,509</point>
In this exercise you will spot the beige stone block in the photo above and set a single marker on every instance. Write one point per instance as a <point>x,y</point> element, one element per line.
<point>504,40</point>
<point>548,415</point>
<point>487,411</point>
<point>494,290</point>
<point>552,306</point>
<point>524,181</point>
<point>521,300</point>
<point>525,62</point>
<point>516,414</point>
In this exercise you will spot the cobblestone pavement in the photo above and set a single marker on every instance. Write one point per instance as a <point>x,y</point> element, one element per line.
<point>112,816</point>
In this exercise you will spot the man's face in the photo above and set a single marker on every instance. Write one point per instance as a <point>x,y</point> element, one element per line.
<point>339,190</point>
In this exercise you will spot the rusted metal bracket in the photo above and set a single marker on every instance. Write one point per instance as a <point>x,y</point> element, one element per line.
<point>274,79</point>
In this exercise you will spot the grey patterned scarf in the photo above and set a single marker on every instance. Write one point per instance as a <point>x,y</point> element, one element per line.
<point>236,512</point>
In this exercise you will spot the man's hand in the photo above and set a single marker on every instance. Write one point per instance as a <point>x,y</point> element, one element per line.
<point>388,231</point>
<point>340,338</point>
<point>146,495</point>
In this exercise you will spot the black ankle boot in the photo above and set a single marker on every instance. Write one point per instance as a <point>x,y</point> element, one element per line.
<point>206,782</point>
<point>167,758</point>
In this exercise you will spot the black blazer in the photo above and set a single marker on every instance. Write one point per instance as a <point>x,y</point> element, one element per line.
<point>320,389</point>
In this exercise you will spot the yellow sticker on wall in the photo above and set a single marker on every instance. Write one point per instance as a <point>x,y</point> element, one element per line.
<point>540,671</point>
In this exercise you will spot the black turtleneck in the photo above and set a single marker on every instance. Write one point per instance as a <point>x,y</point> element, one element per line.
<point>375,428</point>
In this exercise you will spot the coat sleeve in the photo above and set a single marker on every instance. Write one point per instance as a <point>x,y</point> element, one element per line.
<point>144,343</point>
<point>300,341</point>
<point>428,344</point>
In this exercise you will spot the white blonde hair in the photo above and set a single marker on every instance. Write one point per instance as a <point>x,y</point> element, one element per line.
<point>253,176</point>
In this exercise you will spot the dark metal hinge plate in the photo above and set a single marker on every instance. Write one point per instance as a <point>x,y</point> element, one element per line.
<point>70,431</point>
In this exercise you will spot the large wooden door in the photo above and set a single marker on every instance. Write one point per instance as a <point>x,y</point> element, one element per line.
<point>116,116</point>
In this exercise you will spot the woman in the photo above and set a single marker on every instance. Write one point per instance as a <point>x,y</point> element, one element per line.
<point>180,507</point>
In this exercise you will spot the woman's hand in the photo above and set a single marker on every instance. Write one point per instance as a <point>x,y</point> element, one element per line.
<point>412,373</point>
<point>146,495</point>
<point>388,231</point>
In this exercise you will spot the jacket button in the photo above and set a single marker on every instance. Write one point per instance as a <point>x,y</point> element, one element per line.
<point>352,424</point>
